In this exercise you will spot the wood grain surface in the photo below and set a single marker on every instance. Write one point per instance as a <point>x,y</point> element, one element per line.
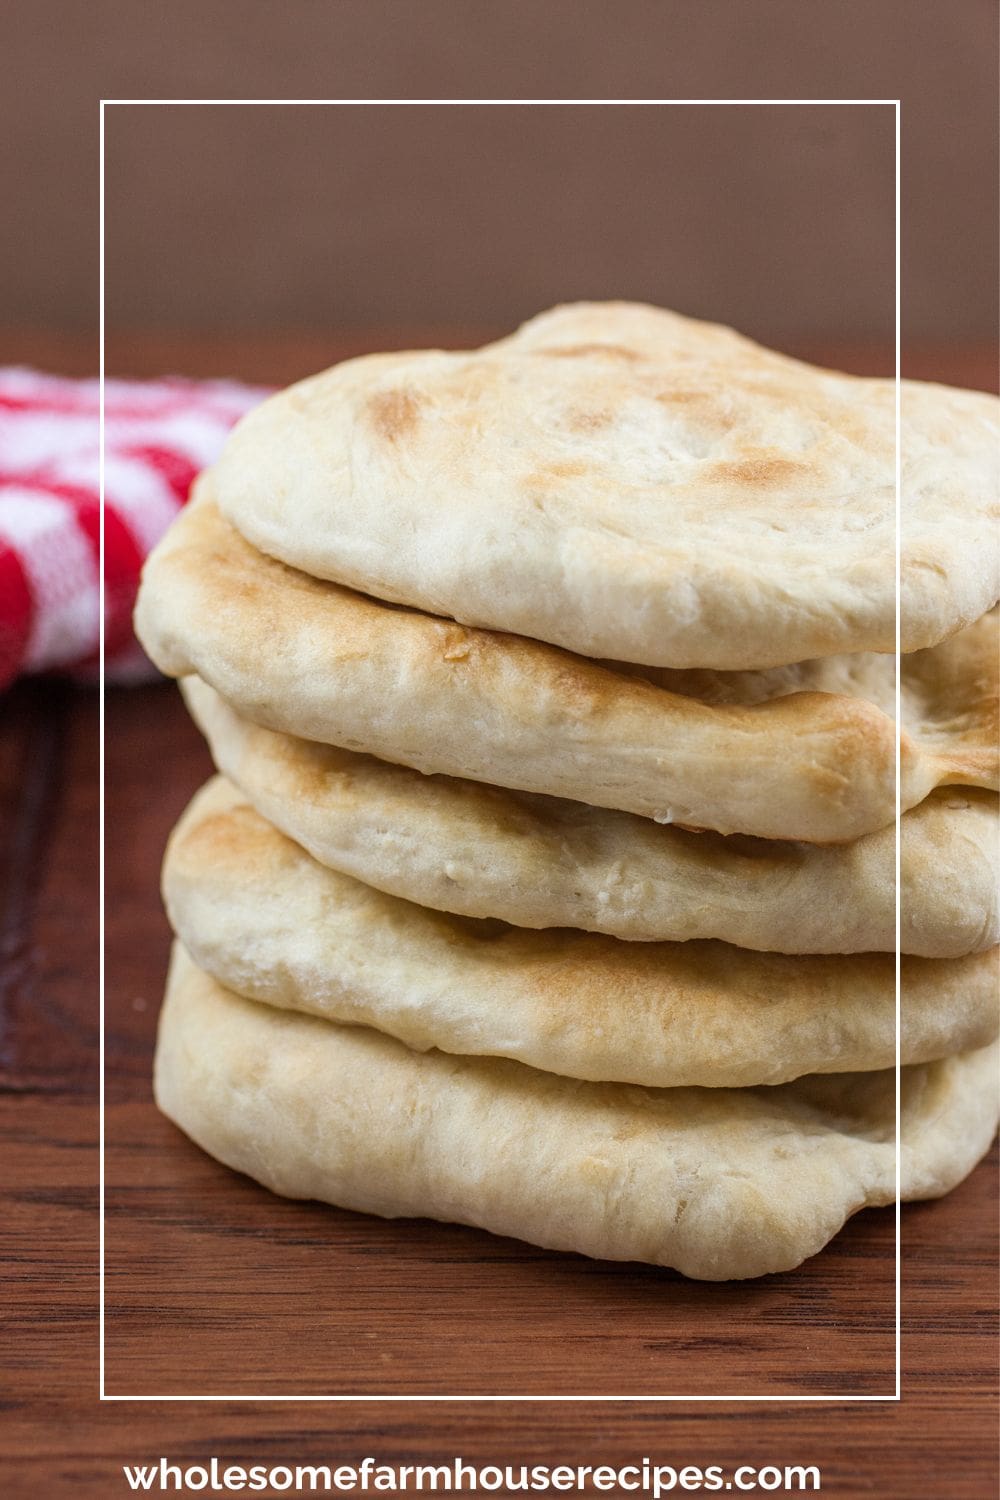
<point>216,1287</point>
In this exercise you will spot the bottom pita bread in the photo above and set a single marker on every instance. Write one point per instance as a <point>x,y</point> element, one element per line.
<point>717,1183</point>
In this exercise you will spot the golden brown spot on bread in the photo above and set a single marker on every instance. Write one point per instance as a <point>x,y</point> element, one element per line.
<point>579,689</point>
<point>236,838</point>
<point>762,472</point>
<point>452,642</point>
<point>393,414</point>
<point>587,421</point>
<point>586,351</point>
<point>541,479</point>
<point>680,396</point>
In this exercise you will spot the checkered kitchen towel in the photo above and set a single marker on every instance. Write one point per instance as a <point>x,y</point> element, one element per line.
<point>158,434</point>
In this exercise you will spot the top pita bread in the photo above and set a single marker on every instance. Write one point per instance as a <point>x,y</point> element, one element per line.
<point>804,752</point>
<point>631,484</point>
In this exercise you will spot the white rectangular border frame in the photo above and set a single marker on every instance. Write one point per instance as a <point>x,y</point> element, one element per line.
<point>837,1400</point>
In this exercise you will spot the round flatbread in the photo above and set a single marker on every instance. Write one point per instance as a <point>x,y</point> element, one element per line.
<point>631,484</point>
<point>535,861</point>
<point>260,915</point>
<point>719,1183</point>
<point>805,752</point>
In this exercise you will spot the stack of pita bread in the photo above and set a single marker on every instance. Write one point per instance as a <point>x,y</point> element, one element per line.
<point>549,880</point>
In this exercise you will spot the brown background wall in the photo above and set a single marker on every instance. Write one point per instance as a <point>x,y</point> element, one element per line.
<point>778,219</point>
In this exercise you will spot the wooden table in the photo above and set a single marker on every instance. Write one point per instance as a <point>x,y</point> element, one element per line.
<point>215,1287</point>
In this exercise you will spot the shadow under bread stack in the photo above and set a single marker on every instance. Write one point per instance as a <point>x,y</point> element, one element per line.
<point>479,922</point>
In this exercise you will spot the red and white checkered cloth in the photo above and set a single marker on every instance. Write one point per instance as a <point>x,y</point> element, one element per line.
<point>158,435</point>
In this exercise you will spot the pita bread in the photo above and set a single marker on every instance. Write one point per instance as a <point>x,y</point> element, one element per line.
<point>719,1183</point>
<point>261,916</point>
<point>316,660</point>
<point>632,484</point>
<point>538,861</point>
